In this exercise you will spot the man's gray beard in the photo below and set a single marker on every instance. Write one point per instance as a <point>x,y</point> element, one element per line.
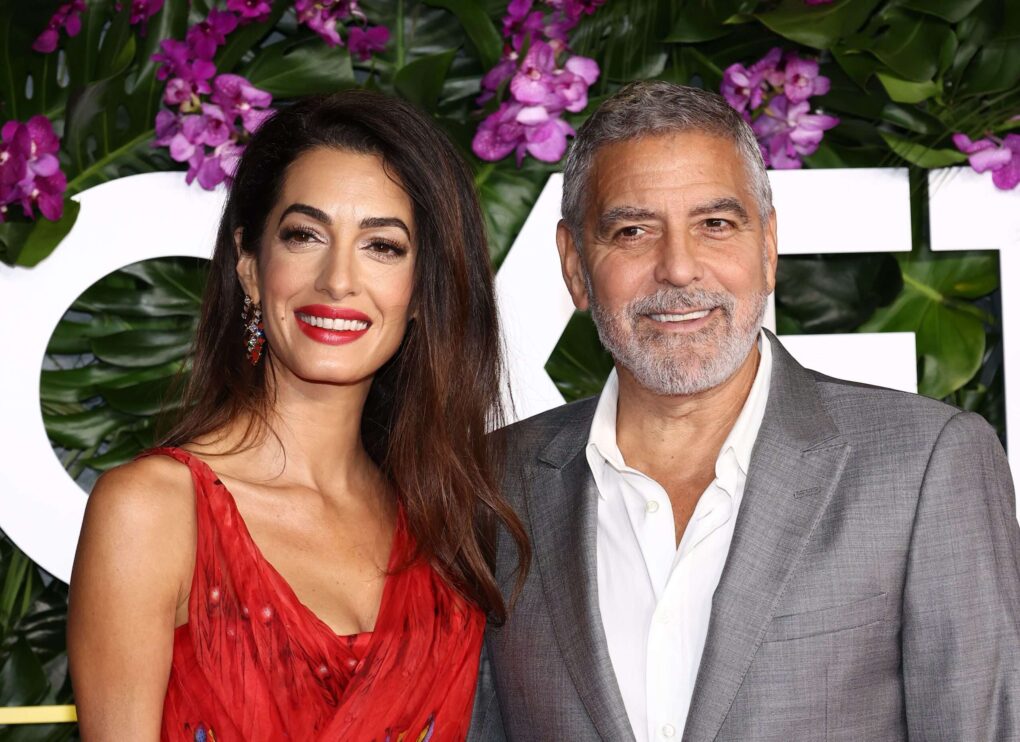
<point>680,364</point>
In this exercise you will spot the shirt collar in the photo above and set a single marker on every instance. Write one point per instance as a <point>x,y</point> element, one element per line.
<point>736,449</point>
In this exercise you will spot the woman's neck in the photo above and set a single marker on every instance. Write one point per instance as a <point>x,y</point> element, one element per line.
<point>313,440</point>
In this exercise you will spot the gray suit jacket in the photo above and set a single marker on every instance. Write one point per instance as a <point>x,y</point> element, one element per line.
<point>872,589</point>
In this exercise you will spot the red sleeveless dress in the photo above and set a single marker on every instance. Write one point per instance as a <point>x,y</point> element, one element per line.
<point>253,664</point>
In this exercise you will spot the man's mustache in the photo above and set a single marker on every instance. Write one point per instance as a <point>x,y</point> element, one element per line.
<point>668,300</point>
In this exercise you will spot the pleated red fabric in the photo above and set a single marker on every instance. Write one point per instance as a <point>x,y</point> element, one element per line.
<point>254,664</point>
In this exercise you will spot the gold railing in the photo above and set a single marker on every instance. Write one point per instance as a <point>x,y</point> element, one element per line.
<point>38,715</point>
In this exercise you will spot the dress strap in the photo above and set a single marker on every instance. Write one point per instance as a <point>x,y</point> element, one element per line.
<point>185,457</point>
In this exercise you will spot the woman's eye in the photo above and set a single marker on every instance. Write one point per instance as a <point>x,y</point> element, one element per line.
<point>387,249</point>
<point>298,235</point>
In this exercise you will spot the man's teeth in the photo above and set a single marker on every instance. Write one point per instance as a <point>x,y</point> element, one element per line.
<point>330,323</point>
<point>681,317</point>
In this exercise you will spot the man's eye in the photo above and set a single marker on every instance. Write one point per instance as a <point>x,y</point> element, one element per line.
<point>717,224</point>
<point>629,233</point>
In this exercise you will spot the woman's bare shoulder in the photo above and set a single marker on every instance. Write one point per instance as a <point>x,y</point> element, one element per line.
<point>140,520</point>
<point>154,489</point>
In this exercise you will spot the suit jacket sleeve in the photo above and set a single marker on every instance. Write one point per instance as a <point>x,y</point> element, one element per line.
<point>961,601</point>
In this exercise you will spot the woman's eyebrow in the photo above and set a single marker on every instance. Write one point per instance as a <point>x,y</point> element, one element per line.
<point>317,214</point>
<point>375,222</point>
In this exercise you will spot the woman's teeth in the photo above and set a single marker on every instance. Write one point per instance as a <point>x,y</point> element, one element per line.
<point>330,323</point>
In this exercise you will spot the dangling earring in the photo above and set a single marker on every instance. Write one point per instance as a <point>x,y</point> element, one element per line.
<point>251,314</point>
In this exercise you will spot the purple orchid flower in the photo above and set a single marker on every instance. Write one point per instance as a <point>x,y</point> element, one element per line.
<point>68,17</point>
<point>238,97</point>
<point>568,14</point>
<point>322,17</point>
<point>1001,156</point>
<point>206,37</point>
<point>211,169</point>
<point>176,59</point>
<point>745,88</point>
<point>532,82</point>
<point>546,142</point>
<point>802,79</point>
<point>168,124</point>
<point>569,86</point>
<point>498,75</point>
<point>251,10</point>
<point>522,130</point>
<point>13,170</point>
<point>521,22</point>
<point>31,170</point>
<point>46,193</point>
<point>37,142</point>
<point>143,10</point>
<point>787,132</point>
<point>540,90</point>
<point>499,134</point>
<point>363,43</point>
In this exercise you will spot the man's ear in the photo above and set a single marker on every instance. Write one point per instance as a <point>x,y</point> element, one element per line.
<point>771,250</point>
<point>570,265</point>
<point>247,268</point>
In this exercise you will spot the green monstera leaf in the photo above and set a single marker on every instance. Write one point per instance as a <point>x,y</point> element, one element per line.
<point>113,361</point>
<point>579,365</point>
<point>936,305</point>
<point>33,663</point>
<point>833,293</point>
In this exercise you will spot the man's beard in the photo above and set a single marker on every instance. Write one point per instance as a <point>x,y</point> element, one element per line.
<point>680,364</point>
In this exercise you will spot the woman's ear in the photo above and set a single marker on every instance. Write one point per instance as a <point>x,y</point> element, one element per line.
<point>247,268</point>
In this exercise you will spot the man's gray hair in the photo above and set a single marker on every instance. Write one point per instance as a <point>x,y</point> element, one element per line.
<point>649,108</point>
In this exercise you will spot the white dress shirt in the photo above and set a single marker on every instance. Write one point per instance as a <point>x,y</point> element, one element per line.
<point>656,597</point>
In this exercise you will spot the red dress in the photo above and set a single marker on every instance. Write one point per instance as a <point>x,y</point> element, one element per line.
<point>253,663</point>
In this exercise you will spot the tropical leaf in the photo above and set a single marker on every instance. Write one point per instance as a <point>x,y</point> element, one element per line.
<point>105,385</point>
<point>833,293</point>
<point>305,66</point>
<point>934,304</point>
<point>579,365</point>
<point>478,26</point>
<point>422,80</point>
<point>819,26</point>
<point>20,24</point>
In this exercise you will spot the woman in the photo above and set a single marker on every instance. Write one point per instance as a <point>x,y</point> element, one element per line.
<point>307,556</point>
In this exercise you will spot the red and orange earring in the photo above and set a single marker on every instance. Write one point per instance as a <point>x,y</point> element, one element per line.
<point>251,314</point>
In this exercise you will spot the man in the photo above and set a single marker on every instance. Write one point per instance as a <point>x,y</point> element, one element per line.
<point>728,546</point>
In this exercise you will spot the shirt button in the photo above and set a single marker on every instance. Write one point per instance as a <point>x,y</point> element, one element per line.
<point>652,506</point>
<point>668,730</point>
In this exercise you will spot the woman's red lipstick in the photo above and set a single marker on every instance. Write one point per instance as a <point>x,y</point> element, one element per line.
<point>342,325</point>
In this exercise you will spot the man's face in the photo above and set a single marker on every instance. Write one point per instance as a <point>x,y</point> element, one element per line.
<point>677,263</point>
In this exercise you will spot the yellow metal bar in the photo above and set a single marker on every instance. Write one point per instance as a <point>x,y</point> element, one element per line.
<point>38,715</point>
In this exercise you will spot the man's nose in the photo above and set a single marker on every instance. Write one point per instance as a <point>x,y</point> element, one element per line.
<point>677,259</point>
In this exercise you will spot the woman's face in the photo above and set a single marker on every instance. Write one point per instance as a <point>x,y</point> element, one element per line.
<point>335,273</point>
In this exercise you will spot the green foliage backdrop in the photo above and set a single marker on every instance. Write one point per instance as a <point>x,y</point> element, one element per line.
<point>906,75</point>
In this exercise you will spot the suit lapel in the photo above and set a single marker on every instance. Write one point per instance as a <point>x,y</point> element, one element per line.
<point>562,504</point>
<point>797,462</point>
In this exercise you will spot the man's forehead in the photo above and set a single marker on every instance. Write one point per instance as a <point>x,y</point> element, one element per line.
<point>682,169</point>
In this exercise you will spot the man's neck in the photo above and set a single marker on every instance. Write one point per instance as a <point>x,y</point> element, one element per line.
<point>676,439</point>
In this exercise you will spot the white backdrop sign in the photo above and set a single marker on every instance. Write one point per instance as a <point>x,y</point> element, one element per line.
<point>157,215</point>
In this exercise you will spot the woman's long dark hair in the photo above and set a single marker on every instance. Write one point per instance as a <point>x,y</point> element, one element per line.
<point>429,407</point>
